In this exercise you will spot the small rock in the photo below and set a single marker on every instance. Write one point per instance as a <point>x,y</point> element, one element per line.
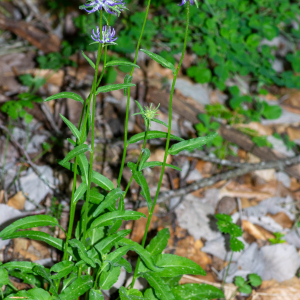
<point>226,205</point>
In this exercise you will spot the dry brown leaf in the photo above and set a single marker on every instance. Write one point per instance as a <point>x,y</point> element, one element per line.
<point>293,133</point>
<point>17,201</point>
<point>139,226</point>
<point>256,231</point>
<point>21,248</point>
<point>190,249</point>
<point>42,248</point>
<point>273,290</point>
<point>258,127</point>
<point>266,175</point>
<point>20,285</point>
<point>158,155</point>
<point>2,196</point>
<point>282,219</point>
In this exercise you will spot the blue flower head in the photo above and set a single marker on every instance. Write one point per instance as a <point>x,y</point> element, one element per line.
<point>107,36</point>
<point>114,7</point>
<point>184,1</point>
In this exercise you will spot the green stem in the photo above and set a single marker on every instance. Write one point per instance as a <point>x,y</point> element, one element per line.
<point>86,109</point>
<point>227,270</point>
<point>5,155</point>
<point>167,144</point>
<point>128,96</point>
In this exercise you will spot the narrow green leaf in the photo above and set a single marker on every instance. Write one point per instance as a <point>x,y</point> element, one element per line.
<point>161,289</point>
<point>95,235</point>
<point>89,60</point>
<point>84,166</point>
<point>107,243</point>
<point>131,294</point>
<point>115,256</point>
<point>141,181</point>
<point>71,141</point>
<point>95,295</point>
<point>154,134</point>
<point>95,196</point>
<point>26,278</point>
<point>4,279</point>
<point>140,107</point>
<point>127,79</point>
<point>150,295</point>
<point>62,269</point>
<point>108,278</point>
<point>82,252</point>
<point>160,122</point>
<point>38,236</point>
<point>152,164</point>
<point>195,291</point>
<point>110,217</point>
<point>146,155</point>
<point>72,277</point>
<point>77,288</point>
<point>120,63</point>
<point>122,262</point>
<point>29,222</point>
<point>68,95</point>
<point>72,127</point>
<point>39,294</point>
<point>23,266</point>
<point>160,60</point>
<point>102,181</point>
<point>113,87</point>
<point>76,151</point>
<point>80,192</point>
<point>109,200</point>
<point>159,242</point>
<point>142,252</point>
<point>191,144</point>
<point>173,265</point>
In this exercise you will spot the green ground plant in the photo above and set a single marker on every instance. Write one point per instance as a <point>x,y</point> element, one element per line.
<point>94,255</point>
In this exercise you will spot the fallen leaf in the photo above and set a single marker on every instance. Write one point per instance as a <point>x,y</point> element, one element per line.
<point>258,127</point>
<point>282,219</point>
<point>2,196</point>
<point>42,248</point>
<point>158,155</point>
<point>286,290</point>
<point>293,133</point>
<point>17,201</point>
<point>257,232</point>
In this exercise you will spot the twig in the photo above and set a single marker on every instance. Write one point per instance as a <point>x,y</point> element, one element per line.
<point>50,118</point>
<point>246,168</point>
<point>28,159</point>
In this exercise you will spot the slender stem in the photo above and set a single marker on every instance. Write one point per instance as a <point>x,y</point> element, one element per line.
<point>227,270</point>
<point>167,143</point>
<point>5,156</point>
<point>86,109</point>
<point>128,97</point>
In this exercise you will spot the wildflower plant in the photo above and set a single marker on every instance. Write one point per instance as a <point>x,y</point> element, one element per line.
<point>94,255</point>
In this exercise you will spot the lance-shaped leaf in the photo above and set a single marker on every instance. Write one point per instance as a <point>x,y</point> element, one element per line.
<point>121,63</point>
<point>107,243</point>
<point>150,295</point>
<point>113,87</point>
<point>142,252</point>
<point>191,144</point>
<point>115,256</point>
<point>77,288</point>
<point>159,242</point>
<point>154,134</point>
<point>95,295</point>
<point>23,266</point>
<point>62,269</point>
<point>88,60</point>
<point>102,181</point>
<point>95,235</point>
<point>131,294</point>
<point>82,252</point>
<point>173,265</point>
<point>80,192</point>
<point>76,151</point>
<point>162,290</point>
<point>4,279</point>
<point>72,127</point>
<point>95,196</point>
<point>40,270</point>
<point>162,61</point>
<point>110,217</point>
<point>152,164</point>
<point>141,181</point>
<point>29,222</point>
<point>127,79</point>
<point>122,262</point>
<point>39,294</point>
<point>38,236</point>
<point>146,155</point>
<point>27,278</point>
<point>109,200</point>
<point>160,122</point>
<point>68,95</point>
<point>195,291</point>
<point>84,167</point>
<point>108,278</point>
